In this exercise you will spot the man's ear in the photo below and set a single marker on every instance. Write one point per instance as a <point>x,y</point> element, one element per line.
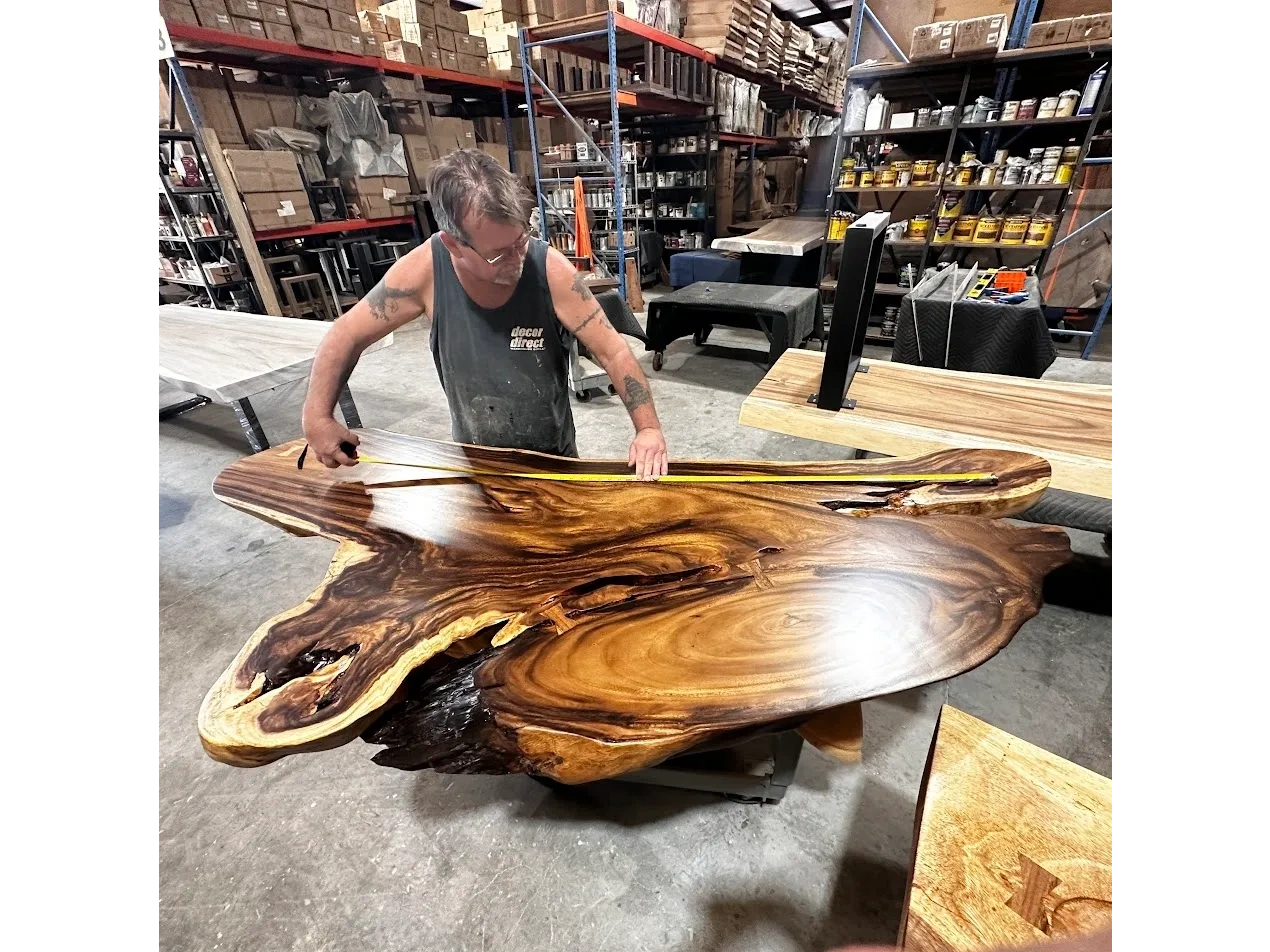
<point>451,243</point>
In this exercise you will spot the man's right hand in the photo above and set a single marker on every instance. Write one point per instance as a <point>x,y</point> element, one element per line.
<point>324,437</point>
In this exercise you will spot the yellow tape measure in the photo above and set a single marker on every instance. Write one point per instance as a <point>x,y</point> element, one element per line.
<point>981,478</point>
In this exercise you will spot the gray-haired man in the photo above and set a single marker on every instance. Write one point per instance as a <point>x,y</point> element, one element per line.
<point>499,302</point>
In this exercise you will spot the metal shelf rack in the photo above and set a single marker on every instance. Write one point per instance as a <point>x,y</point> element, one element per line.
<point>981,137</point>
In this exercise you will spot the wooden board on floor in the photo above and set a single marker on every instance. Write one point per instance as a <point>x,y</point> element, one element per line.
<point>783,236</point>
<point>1013,844</point>
<point>228,355</point>
<point>902,409</point>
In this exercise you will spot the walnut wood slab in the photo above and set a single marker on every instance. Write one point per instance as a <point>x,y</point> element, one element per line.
<point>582,630</point>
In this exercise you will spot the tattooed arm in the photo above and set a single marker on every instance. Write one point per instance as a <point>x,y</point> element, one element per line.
<point>404,294</point>
<point>580,312</point>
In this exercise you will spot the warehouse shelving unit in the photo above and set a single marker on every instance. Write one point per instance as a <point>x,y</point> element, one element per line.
<point>196,44</point>
<point>956,82</point>
<point>622,42</point>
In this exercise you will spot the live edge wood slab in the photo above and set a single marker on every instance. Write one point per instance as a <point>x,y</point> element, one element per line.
<point>582,630</point>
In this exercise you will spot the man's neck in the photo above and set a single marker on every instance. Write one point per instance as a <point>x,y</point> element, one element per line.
<point>482,290</point>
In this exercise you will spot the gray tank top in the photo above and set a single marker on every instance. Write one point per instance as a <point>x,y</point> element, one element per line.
<point>504,370</point>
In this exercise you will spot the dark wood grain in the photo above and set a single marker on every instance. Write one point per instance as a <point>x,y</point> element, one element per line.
<point>580,630</point>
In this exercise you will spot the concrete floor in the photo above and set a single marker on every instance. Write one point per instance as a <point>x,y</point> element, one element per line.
<point>329,852</point>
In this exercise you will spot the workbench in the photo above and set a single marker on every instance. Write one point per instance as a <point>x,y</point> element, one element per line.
<point>905,410</point>
<point>231,356</point>
<point>1013,844</point>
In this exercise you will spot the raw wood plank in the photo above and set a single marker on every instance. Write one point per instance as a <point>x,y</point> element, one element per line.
<point>228,355</point>
<point>606,627</point>
<point>1013,844</point>
<point>242,224</point>
<point>784,236</point>
<point>902,410</point>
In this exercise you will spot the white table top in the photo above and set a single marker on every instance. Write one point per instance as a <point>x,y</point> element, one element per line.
<point>228,355</point>
<point>781,236</point>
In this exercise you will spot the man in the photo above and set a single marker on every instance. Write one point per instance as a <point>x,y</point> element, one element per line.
<point>500,303</point>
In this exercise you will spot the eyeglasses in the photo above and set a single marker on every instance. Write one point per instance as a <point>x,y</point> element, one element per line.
<point>517,248</point>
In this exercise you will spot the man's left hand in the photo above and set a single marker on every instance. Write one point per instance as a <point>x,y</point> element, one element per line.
<point>648,454</point>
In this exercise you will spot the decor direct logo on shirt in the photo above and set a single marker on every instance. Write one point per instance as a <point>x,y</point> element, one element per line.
<point>527,338</point>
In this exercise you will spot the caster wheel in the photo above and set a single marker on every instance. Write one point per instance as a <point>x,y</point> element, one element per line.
<point>582,395</point>
<point>612,390</point>
<point>657,359</point>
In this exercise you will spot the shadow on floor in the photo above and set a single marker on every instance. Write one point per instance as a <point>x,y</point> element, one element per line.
<point>1084,584</point>
<point>865,902</point>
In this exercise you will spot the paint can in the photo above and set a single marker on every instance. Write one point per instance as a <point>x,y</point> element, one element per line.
<point>1027,109</point>
<point>1001,157</point>
<point>903,173</point>
<point>964,228</point>
<point>890,321</point>
<point>987,230</point>
<point>968,157</point>
<point>1053,153</point>
<point>923,118</point>
<point>1010,110</point>
<point>885,176</point>
<point>1067,101</point>
<point>1040,230</point>
<point>1014,229</point>
<point>946,115</point>
<point>988,174</point>
<point>918,227</point>
<point>1089,98</point>
<point>1047,108</point>
<point>1070,154</point>
<point>943,230</point>
<point>923,171</point>
<point>1063,174</point>
<point>949,205</point>
<point>965,175</point>
<point>866,178</point>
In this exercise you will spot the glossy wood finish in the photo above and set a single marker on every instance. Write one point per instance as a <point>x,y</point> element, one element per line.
<point>228,355</point>
<point>1013,844</point>
<point>904,410</point>
<point>581,630</point>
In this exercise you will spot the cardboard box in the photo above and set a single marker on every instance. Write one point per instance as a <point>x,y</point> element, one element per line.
<point>372,21</point>
<point>274,11</point>
<point>449,61</point>
<point>472,65</point>
<point>427,37</point>
<point>245,8</point>
<point>215,21</point>
<point>1090,28</point>
<point>254,28</point>
<point>306,15</point>
<point>419,156</point>
<point>280,32</point>
<point>1067,9</point>
<point>261,105</point>
<point>899,17</point>
<point>448,133</point>
<point>350,43</point>
<point>270,211</point>
<point>1049,33</point>
<point>498,151</point>
<point>346,7</point>
<point>392,26</point>
<point>431,58</point>
<point>981,34</point>
<point>933,40</point>
<point>316,37</point>
<point>378,196</point>
<point>471,45</point>
<point>369,5</point>
<point>403,51</point>
<point>211,93</point>
<point>372,46</point>
<point>345,23</point>
<point>506,65</point>
<point>255,170</point>
<point>446,40</point>
<point>174,12</point>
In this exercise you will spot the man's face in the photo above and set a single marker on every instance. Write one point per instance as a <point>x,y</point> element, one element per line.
<point>503,243</point>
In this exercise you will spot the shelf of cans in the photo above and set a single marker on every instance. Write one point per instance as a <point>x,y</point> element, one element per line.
<point>1055,165</point>
<point>951,227</point>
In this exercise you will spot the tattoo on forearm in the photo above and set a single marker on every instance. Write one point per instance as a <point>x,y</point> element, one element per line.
<point>598,312</point>
<point>580,288</point>
<point>634,393</point>
<point>383,300</point>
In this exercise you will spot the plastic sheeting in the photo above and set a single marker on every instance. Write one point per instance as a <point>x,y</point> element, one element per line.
<point>305,145</point>
<point>347,117</point>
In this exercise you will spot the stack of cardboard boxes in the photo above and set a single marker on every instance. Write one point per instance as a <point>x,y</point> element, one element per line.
<point>272,189</point>
<point>436,36</point>
<point>1071,21</point>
